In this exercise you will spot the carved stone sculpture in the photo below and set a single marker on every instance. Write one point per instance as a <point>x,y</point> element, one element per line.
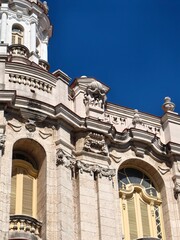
<point>95,143</point>
<point>176,190</point>
<point>63,159</point>
<point>30,125</point>
<point>95,95</point>
<point>136,119</point>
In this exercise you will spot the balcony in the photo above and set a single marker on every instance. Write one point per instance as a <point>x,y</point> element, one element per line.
<point>24,227</point>
<point>19,50</point>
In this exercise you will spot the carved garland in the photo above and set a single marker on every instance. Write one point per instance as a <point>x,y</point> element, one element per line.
<point>93,169</point>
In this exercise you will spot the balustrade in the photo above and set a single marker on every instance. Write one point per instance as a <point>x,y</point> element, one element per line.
<point>19,50</point>
<point>31,82</point>
<point>24,224</point>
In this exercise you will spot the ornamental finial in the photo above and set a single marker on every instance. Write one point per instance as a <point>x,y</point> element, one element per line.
<point>168,105</point>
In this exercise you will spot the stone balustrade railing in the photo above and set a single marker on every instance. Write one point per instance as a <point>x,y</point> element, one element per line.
<point>19,50</point>
<point>44,65</point>
<point>24,224</point>
<point>31,82</point>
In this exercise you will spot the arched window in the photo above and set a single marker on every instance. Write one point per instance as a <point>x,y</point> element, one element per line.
<point>17,34</point>
<point>141,205</point>
<point>23,187</point>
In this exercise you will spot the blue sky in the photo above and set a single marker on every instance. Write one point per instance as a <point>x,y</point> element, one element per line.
<point>133,46</point>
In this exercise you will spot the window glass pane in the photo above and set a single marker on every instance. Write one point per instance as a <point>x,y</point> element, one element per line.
<point>134,175</point>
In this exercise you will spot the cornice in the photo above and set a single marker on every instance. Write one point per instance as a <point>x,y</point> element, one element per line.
<point>129,112</point>
<point>171,117</point>
<point>96,125</point>
<point>60,75</point>
<point>7,96</point>
<point>142,142</point>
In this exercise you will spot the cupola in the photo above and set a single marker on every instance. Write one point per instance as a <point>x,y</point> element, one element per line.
<point>25,25</point>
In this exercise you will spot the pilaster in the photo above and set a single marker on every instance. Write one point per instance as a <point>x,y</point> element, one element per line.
<point>65,201</point>
<point>88,215</point>
<point>106,209</point>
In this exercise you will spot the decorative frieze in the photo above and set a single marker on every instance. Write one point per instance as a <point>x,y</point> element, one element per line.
<point>66,160</point>
<point>31,82</point>
<point>95,142</point>
<point>115,120</point>
<point>123,122</point>
<point>95,170</point>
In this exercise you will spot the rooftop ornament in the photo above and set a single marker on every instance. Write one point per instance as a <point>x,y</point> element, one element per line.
<point>168,105</point>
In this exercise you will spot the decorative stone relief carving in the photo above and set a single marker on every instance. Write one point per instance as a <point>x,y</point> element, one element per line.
<point>2,140</point>
<point>44,135</point>
<point>115,158</point>
<point>85,167</point>
<point>96,170</point>
<point>163,171</point>
<point>95,95</point>
<point>63,159</point>
<point>176,189</point>
<point>30,125</point>
<point>115,120</point>
<point>16,128</point>
<point>95,143</point>
<point>168,105</point>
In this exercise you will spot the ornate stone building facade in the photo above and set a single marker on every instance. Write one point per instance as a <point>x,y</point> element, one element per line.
<point>72,165</point>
